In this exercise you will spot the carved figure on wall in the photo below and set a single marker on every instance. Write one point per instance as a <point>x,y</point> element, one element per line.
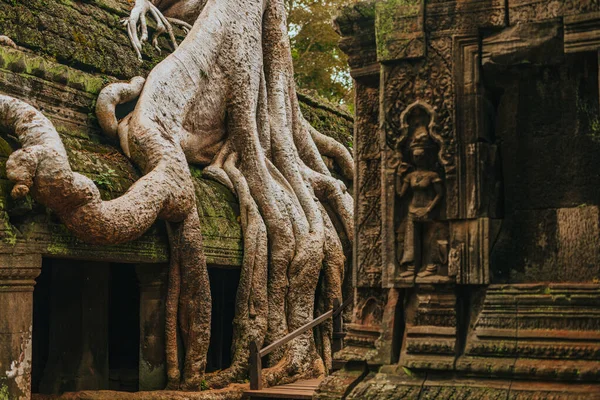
<point>427,192</point>
<point>422,238</point>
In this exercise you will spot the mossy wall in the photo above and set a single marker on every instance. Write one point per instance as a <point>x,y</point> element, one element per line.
<point>69,50</point>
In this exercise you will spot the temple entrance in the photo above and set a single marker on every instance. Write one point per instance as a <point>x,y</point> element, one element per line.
<point>89,312</point>
<point>123,328</point>
<point>95,314</point>
<point>223,287</point>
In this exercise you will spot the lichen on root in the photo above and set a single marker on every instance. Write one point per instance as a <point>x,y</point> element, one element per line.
<point>225,100</point>
<point>6,41</point>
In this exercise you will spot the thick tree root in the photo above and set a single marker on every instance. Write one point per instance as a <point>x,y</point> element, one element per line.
<point>329,147</point>
<point>6,41</point>
<point>138,17</point>
<point>41,165</point>
<point>225,98</point>
<point>193,305</point>
<point>184,25</point>
<point>166,191</point>
<point>108,100</point>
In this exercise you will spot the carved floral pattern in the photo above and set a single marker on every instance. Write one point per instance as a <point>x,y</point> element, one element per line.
<point>464,16</point>
<point>368,189</point>
<point>537,10</point>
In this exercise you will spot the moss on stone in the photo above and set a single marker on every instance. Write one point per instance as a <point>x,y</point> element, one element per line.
<point>82,35</point>
<point>76,48</point>
<point>41,67</point>
<point>327,120</point>
<point>390,21</point>
<point>354,16</point>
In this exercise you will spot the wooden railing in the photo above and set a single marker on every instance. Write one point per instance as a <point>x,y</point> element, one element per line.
<point>257,354</point>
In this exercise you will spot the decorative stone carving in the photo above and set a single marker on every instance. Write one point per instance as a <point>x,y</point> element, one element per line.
<point>546,331</point>
<point>431,337</point>
<point>500,98</point>
<point>422,87</point>
<point>582,32</point>
<point>452,16</point>
<point>421,232</point>
<point>366,327</point>
<point>536,10</point>
<point>368,223</point>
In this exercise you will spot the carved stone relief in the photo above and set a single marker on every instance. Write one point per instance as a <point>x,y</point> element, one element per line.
<point>466,90</point>
<point>421,233</point>
<point>419,175</point>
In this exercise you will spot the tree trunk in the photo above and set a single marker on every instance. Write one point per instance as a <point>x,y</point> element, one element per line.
<point>225,99</point>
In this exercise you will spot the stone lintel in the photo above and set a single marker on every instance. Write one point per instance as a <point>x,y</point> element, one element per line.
<point>582,32</point>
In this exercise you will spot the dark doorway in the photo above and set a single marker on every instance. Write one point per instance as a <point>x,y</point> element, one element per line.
<point>123,328</point>
<point>85,327</point>
<point>66,335</point>
<point>223,287</point>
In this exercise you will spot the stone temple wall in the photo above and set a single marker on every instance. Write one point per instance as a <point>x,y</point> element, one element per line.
<point>67,52</point>
<point>477,253</point>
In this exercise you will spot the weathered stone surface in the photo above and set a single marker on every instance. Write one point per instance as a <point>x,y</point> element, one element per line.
<point>384,386</point>
<point>543,331</point>
<point>356,25</point>
<point>17,274</point>
<point>339,384</point>
<point>367,248</point>
<point>538,10</point>
<point>400,28</point>
<point>454,16</point>
<point>582,32</point>
<point>430,340</point>
<point>509,94</point>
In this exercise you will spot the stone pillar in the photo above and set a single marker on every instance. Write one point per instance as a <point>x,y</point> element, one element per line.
<point>17,279</point>
<point>153,279</point>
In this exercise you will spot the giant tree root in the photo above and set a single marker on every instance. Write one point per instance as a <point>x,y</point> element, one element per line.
<point>41,168</point>
<point>225,99</point>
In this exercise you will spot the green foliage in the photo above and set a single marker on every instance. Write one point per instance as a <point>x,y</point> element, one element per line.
<point>204,385</point>
<point>104,179</point>
<point>4,392</point>
<point>320,66</point>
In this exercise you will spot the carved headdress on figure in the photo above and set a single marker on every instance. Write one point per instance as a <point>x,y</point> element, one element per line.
<point>421,139</point>
<point>418,125</point>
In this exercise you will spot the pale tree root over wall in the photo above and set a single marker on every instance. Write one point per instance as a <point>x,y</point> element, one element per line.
<point>225,99</point>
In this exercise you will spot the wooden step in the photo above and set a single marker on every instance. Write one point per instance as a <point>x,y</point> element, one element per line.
<point>297,390</point>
